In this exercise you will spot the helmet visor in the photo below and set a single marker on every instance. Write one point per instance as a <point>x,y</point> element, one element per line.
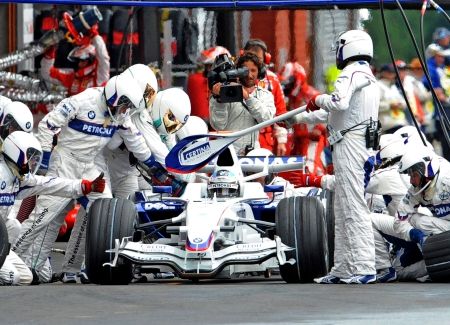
<point>149,96</point>
<point>223,190</point>
<point>121,110</point>
<point>9,126</point>
<point>34,160</point>
<point>171,123</point>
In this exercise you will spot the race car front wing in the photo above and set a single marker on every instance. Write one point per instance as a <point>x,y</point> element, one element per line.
<point>193,264</point>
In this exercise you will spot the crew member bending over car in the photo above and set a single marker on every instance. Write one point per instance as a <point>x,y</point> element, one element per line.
<point>19,161</point>
<point>86,123</point>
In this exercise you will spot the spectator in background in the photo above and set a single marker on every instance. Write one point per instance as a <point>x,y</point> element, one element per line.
<point>421,95</point>
<point>408,85</point>
<point>392,104</point>
<point>197,84</point>
<point>436,70</point>
<point>441,37</point>
<point>273,137</point>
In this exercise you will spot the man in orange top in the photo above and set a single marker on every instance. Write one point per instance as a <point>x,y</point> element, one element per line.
<point>272,138</point>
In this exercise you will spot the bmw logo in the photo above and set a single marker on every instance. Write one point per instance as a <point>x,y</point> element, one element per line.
<point>28,125</point>
<point>197,240</point>
<point>444,195</point>
<point>91,115</point>
<point>3,185</point>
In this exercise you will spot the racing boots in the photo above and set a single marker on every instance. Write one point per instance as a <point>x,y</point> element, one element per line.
<point>328,279</point>
<point>387,275</point>
<point>68,277</point>
<point>360,279</point>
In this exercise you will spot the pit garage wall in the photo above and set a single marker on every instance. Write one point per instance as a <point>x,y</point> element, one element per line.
<point>3,29</point>
<point>286,33</point>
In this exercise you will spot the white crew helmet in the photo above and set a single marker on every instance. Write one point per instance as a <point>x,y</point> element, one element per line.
<point>16,117</point>
<point>391,150</point>
<point>411,136</point>
<point>423,161</point>
<point>170,110</point>
<point>22,153</point>
<point>194,126</point>
<point>146,80</point>
<point>353,45</point>
<point>123,97</point>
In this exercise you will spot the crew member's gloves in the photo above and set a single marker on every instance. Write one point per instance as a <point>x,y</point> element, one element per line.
<point>43,168</point>
<point>161,177</point>
<point>97,185</point>
<point>300,179</point>
<point>417,236</point>
<point>312,106</point>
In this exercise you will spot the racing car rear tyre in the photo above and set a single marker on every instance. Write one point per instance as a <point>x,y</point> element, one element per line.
<point>4,242</point>
<point>109,219</point>
<point>300,222</point>
<point>436,253</point>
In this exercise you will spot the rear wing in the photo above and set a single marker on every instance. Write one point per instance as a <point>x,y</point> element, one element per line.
<point>256,164</point>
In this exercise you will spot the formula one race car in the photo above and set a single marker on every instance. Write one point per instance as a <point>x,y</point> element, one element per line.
<point>225,227</point>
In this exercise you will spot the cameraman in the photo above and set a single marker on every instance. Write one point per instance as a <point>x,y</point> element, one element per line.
<point>257,106</point>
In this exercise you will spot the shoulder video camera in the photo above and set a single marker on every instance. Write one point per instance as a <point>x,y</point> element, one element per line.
<point>225,72</point>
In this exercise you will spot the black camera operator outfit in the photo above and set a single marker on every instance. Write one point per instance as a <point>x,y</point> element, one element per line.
<point>237,116</point>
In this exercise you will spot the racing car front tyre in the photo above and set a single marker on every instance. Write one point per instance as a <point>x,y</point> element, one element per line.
<point>300,223</point>
<point>436,253</point>
<point>109,219</point>
<point>4,242</point>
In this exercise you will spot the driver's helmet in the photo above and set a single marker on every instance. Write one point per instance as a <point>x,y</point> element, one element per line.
<point>22,153</point>
<point>223,183</point>
<point>16,116</point>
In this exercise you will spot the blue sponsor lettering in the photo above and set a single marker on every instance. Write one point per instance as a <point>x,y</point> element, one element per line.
<point>7,199</point>
<point>441,210</point>
<point>92,128</point>
<point>197,151</point>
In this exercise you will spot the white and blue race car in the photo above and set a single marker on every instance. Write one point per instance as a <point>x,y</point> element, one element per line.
<point>202,235</point>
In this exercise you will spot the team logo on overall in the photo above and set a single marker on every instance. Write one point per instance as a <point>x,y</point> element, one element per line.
<point>3,185</point>
<point>444,195</point>
<point>91,115</point>
<point>28,125</point>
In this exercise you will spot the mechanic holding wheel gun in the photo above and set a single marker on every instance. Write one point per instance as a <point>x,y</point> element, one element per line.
<point>351,113</point>
<point>236,106</point>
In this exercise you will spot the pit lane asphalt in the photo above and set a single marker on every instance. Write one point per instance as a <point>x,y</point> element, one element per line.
<point>241,301</point>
